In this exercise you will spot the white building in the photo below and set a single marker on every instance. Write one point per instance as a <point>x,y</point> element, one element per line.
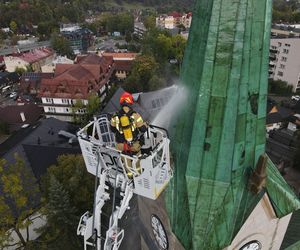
<point>139,29</point>
<point>166,22</point>
<point>34,59</point>
<point>74,83</point>
<point>174,19</point>
<point>285,61</point>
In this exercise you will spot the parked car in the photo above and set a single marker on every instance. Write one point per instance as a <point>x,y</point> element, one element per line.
<point>296,97</point>
<point>13,95</point>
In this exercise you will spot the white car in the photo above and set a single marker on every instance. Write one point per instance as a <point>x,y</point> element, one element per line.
<point>296,97</point>
<point>13,94</point>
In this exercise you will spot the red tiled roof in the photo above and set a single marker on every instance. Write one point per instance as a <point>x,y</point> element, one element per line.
<point>123,65</point>
<point>11,114</point>
<point>60,68</point>
<point>116,56</point>
<point>89,59</point>
<point>36,55</point>
<point>77,80</point>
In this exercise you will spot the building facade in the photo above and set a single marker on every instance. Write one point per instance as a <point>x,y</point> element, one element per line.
<point>139,29</point>
<point>75,83</point>
<point>284,61</point>
<point>123,63</point>
<point>173,20</point>
<point>79,39</point>
<point>34,59</point>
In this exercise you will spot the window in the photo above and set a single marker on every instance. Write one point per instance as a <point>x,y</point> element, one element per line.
<point>284,59</point>
<point>49,100</point>
<point>279,44</point>
<point>51,109</point>
<point>158,103</point>
<point>285,51</point>
<point>282,66</point>
<point>287,45</point>
<point>280,73</point>
<point>66,101</point>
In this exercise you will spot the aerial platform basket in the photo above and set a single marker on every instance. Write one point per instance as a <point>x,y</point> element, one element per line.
<point>150,172</point>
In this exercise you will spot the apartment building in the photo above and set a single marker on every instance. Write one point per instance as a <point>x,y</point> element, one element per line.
<point>174,19</point>
<point>75,82</point>
<point>284,61</point>
<point>35,59</point>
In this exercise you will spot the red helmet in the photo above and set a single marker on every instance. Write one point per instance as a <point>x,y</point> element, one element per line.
<point>126,98</point>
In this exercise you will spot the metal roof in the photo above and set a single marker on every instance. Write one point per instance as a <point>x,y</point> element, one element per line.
<point>220,133</point>
<point>37,142</point>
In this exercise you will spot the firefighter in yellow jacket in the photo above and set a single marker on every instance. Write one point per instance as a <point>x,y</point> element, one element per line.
<point>127,125</point>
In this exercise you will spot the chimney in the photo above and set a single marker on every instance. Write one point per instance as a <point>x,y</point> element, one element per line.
<point>23,116</point>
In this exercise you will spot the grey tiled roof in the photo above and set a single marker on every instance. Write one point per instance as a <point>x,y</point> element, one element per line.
<point>28,142</point>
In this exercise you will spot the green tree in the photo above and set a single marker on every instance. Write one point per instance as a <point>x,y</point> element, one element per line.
<point>45,28</point>
<point>61,45</point>
<point>61,219</point>
<point>78,111</point>
<point>83,113</point>
<point>144,68</point>
<point>156,83</point>
<point>4,128</point>
<point>280,87</point>
<point>20,70</point>
<point>19,199</point>
<point>122,22</point>
<point>150,22</point>
<point>93,106</point>
<point>13,26</point>
<point>71,173</point>
<point>68,191</point>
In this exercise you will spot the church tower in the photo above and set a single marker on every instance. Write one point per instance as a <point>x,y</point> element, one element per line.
<point>226,193</point>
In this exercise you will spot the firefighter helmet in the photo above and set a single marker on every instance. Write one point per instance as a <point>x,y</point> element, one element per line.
<point>126,98</point>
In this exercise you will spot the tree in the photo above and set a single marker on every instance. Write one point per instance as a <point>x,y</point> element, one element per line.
<point>78,111</point>
<point>4,129</point>
<point>156,83</point>
<point>93,106</point>
<point>144,68</point>
<point>61,219</point>
<point>20,197</point>
<point>13,26</point>
<point>20,70</point>
<point>68,191</point>
<point>61,45</point>
<point>150,22</point>
<point>122,22</point>
<point>280,87</point>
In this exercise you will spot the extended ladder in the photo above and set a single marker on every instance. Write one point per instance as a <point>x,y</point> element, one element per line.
<point>149,175</point>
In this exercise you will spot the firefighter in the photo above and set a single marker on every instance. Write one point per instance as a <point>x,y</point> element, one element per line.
<point>128,126</point>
